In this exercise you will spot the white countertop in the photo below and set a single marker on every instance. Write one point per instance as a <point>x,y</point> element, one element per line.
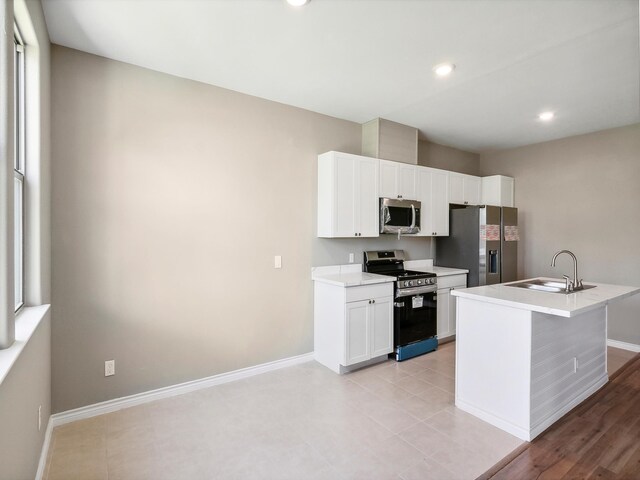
<point>353,279</point>
<point>563,305</point>
<point>350,275</point>
<point>427,266</point>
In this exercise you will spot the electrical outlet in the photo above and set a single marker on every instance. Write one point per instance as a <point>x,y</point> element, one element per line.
<point>277,261</point>
<point>109,368</point>
<point>40,418</point>
<point>351,258</point>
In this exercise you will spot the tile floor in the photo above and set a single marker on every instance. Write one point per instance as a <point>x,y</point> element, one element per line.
<point>388,421</point>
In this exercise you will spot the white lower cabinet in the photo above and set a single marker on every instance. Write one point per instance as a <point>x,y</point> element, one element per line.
<point>352,324</point>
<point>447,303</point>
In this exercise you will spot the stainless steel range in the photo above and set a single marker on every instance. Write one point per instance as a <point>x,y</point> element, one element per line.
<point>415,311</point>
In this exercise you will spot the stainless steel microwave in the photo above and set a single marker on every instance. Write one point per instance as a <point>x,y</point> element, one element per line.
<point>399,216</point>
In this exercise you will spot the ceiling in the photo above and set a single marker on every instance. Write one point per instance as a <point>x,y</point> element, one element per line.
<point>362,59</point>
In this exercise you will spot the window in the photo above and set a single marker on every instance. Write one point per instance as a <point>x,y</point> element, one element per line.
<point>19,168</point>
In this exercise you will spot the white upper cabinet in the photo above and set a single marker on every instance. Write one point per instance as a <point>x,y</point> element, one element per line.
<point>498,190</point>
<point>464,189</point>
<point>397,180</point>
<point>347,195</point>
<point>432,187</point>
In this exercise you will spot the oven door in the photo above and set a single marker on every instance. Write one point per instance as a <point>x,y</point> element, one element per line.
<point>415,315</point>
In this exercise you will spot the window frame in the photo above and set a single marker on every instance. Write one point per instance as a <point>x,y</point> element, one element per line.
<point>19,166</point>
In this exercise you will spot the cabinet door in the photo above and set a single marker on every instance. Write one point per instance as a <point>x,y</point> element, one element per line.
<point>456,188</point>
<point>440,203</point>
<point>357,332</point>
<point>497,190</point>
<point>472,190</point>
<point>367,204</point>
<point>388,179</point>
<point>406,178</point>
<point>344,213</point>
<point>423,192</point>
<point>381,326</point>
<point>443,312</point>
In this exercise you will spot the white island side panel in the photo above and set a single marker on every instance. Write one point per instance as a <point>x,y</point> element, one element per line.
<point>493,364</point>
<point>569,363</point>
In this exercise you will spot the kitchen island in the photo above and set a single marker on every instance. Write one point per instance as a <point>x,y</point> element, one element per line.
<point>524,358</point>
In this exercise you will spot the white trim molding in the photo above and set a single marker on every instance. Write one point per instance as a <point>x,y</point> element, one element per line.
<point>160,393</point>
<point>632,347</point>
<point>173,390</point>
<point>42,464</point>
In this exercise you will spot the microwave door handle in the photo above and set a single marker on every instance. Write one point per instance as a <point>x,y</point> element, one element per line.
<point>386,216</point>
<point>413,217</point>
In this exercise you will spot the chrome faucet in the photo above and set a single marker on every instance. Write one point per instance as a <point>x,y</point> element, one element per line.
<point>570,286</point>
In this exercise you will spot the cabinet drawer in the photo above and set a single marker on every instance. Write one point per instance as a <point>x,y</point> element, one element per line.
<point>452,281</point>
<point>366,292</point>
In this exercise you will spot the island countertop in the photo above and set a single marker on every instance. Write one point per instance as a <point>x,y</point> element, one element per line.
<point>560,304</point>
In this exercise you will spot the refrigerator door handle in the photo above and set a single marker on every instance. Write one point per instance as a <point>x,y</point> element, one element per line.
<point>493,266</point>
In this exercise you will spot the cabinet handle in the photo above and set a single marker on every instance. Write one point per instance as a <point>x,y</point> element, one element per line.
<point>373,301</point>
<point>369,302</point>
<point>466,203</point>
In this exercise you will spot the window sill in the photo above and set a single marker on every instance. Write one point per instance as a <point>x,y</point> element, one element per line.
<point>27,321</point>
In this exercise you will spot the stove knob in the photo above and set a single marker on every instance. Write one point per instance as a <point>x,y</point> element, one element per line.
<point>421,282</point>
<point>410,282</point>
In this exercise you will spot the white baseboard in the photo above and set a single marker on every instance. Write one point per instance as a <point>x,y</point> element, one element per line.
<point>632,347</point>
<point>528,434</point>
<point>509,427</point>
<point>42,464</point>
<point>152,395</point>
<point>173,390</point>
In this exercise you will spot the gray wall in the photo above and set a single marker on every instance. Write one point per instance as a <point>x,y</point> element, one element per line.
<point>448,158</point>
<point>582,194</point>
<point>170,199</point>
<point>26,387</point>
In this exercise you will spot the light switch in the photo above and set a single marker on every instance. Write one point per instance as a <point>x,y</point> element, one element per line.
<point>277,261</point>
<point>351,258</point>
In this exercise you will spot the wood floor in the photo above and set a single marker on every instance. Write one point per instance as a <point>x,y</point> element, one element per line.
<point>599,439</point>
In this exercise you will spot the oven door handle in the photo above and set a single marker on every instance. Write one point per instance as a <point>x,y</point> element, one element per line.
<point>408,292</point>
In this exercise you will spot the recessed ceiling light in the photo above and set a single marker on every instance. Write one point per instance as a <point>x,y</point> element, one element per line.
<point>546,116</point>
<point>444,69</point>
<point>297,3</point>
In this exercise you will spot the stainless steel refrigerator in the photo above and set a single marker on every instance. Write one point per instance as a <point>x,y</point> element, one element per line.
<point>484,240</point>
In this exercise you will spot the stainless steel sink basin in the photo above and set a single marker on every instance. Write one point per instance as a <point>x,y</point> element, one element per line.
<point>551,286</point>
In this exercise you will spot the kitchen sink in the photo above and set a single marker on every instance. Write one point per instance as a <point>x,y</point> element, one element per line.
<point>551,286</point>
